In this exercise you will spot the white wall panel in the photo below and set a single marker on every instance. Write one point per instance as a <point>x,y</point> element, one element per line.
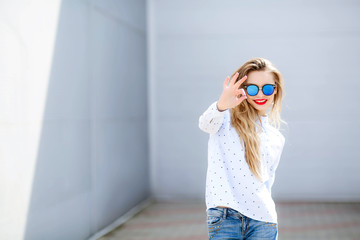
<point>196,44</point>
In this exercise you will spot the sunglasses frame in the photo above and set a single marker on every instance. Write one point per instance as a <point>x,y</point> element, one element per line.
<point>260,88</point>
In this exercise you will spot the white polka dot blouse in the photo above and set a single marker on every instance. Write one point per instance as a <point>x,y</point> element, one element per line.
<point>229,181</point>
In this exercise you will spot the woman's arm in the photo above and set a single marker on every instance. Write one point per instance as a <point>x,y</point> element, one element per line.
<point>211,120</point>
<point>275,166</point>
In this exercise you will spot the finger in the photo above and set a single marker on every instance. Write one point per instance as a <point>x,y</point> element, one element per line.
<point>234,78</point>
<point>241,92</point>
<point>243,79</point>
<point>244,94</point>
<point>242,98</point>
<point>226,82</point>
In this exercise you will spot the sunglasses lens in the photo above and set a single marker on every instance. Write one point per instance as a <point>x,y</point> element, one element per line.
<point>268,89</point>
<point>252,90</point>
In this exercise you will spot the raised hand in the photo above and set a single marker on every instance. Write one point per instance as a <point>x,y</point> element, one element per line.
<point>229,97</point>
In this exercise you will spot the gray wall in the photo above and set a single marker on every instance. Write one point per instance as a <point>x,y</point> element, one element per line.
<point>74,141</point>
<point>78,80</point>
<point>315,44</point>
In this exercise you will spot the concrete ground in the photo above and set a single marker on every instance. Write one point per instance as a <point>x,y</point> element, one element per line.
<point>297,220</point>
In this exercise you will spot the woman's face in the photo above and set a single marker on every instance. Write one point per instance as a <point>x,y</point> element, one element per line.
<point>260,102</point>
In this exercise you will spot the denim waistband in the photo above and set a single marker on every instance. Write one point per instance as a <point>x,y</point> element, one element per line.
<point>228,212</point>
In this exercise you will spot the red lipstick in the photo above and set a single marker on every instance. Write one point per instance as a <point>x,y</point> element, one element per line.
<point>260,101</point>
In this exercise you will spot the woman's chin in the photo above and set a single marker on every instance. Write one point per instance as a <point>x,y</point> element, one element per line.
<point>261,108</point>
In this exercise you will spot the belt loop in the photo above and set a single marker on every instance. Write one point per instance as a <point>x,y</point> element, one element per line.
<point>225,213</point>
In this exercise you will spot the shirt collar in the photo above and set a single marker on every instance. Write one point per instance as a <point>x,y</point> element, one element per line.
<point>264,119</point>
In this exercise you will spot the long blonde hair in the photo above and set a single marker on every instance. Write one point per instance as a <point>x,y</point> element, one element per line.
<point>244,116</point>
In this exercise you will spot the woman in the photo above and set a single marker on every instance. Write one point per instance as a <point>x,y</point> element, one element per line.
<point>244,150</point>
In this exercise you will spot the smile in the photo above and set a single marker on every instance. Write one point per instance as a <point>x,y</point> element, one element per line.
<point>260,101</point>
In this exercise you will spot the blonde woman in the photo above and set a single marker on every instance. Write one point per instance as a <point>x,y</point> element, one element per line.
<point>244,151</point>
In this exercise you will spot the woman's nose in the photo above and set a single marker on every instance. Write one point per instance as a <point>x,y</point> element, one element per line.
<point>260,94</point>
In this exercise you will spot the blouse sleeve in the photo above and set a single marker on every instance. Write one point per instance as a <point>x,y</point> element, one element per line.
<point>211,120</point>
<point>274,167</point>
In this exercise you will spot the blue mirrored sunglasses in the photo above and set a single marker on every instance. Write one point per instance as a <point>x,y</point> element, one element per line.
<point>253,89</point>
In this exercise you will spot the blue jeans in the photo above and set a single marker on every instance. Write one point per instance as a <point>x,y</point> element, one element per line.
<point>227,223</point>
